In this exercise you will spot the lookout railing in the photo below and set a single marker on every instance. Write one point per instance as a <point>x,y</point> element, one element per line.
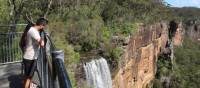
<point>51,71</point>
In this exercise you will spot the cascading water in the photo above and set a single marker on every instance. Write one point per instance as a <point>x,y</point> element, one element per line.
<point>98,74</point>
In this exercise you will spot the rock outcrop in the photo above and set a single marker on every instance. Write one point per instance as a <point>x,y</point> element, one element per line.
<point>193,31</point>
<point>137,66</point>
<point>178,38</point>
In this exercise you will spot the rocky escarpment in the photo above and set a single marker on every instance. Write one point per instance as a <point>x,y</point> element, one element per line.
<point>137,66</point>
<point>193,30</point>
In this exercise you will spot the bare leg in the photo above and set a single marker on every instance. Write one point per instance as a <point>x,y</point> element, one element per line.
<point>27,83</point>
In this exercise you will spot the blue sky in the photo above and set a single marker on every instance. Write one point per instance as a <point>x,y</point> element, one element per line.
<point>184,3</point>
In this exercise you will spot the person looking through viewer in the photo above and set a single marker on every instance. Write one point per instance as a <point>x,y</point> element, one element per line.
<point>30,43</point>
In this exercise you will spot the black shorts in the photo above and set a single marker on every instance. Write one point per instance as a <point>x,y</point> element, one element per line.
<point>29,67</point>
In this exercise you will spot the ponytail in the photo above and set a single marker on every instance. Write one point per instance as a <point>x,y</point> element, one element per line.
<point>23,39</point>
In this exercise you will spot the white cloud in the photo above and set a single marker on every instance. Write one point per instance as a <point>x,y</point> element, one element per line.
<point>195,1</point>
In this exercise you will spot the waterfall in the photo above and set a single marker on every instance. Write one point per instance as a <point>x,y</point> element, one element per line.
<point>98,74</point>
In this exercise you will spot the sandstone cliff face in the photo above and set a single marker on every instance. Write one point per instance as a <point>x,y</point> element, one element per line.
<point>193,31</point>
<point>178,38</point>
<point>138,63</point>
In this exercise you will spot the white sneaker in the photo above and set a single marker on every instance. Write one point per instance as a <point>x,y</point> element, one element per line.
<point>33,85</point>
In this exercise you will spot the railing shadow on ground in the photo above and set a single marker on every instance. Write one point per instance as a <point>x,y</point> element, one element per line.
<point>10,76</point>
<point>15,81</point>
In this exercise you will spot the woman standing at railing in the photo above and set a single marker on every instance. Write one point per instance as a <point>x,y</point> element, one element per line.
<point>30,43</point>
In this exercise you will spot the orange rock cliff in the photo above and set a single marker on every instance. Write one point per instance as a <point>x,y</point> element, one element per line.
<point>137,66</point>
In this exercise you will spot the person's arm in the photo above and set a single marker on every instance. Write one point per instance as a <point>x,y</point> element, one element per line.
<point>41,42</point>
<point>35,35</point>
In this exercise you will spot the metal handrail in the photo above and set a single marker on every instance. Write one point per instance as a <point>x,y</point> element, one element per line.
<point>60,70</point>
<point>60,77</point>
